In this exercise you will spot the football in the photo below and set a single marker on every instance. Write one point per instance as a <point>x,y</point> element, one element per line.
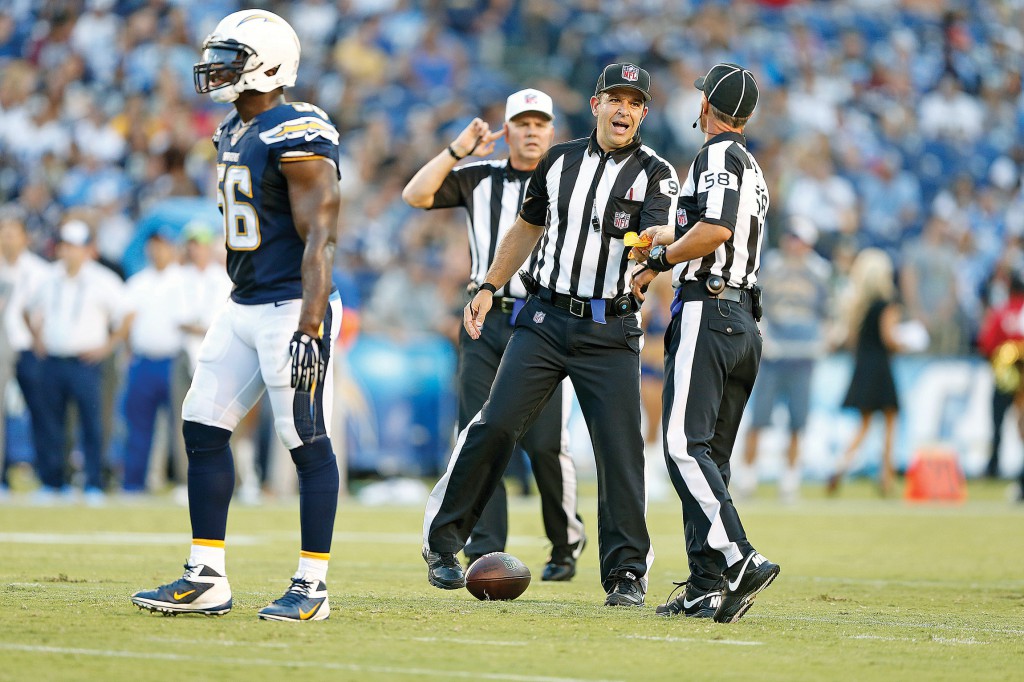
<point>497,576</point>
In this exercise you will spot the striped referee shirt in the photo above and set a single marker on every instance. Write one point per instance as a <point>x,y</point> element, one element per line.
<point>588,199</point>
<point>491,192</point>
<point>725,186</point>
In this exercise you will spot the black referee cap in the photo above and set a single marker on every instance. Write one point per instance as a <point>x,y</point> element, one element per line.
<point>730,88</point>
<point>624,76</point>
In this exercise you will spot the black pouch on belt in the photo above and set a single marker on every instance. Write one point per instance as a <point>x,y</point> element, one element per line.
<point>529,281</point>
<point>755,303</point>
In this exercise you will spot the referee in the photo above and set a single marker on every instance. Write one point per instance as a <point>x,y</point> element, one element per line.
<point>713,346</point>
<point>492,193</point>
<point>580,321</point>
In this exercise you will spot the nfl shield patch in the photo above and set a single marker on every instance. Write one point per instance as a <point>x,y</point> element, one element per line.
<point>530,98</point>
<point>538,317</point>
<point>621,220</point>
<point>630,72</point>
<point>681,217</point>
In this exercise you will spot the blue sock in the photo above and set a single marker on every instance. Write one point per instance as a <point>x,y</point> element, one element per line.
<point>211,479</point>
<point>318,493</point>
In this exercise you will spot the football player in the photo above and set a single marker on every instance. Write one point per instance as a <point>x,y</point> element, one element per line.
<point>277,170</point>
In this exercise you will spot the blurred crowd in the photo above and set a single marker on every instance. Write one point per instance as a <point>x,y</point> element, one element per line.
<point>895,125</point>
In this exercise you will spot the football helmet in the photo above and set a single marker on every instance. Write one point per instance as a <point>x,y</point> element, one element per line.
<point>249,50</point>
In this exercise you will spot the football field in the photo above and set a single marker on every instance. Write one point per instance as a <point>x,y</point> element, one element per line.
<point>870,590</point>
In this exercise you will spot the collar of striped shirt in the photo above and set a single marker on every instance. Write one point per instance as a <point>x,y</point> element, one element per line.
<point>722,137</point>
<point>594,148</point>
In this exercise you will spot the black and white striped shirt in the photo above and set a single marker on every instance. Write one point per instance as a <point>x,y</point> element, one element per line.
<point>588,200</point>
<point>492,192</point>
<point>725,186</point>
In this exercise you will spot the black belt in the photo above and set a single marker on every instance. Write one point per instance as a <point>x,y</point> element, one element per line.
<point>503,304</point>
<point>732,294</point>
<point>580,307</point>
<point>728,293</point>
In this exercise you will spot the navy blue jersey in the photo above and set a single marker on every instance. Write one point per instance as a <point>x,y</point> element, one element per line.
<point>264,249</point>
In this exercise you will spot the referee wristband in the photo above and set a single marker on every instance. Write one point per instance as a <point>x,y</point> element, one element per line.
<point>487,286</point>
<point>454,155</point>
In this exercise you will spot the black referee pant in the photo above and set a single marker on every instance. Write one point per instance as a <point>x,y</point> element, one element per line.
<point>551,462</point>
<point>602,360</point>
<point>712,351</point>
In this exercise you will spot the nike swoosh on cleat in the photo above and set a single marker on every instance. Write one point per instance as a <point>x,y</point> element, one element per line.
<point>306,615</point>
<point>739,578</point>
<point>688,604</point>
<point>178,596</point>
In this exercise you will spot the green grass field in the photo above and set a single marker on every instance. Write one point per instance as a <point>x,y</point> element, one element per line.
<point>869,590</point>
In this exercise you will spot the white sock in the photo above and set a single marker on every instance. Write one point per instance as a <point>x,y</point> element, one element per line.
<point>208,556</point>
<point>312,569</point>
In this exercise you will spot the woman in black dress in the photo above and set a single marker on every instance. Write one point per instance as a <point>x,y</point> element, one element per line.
<point>873,320</point>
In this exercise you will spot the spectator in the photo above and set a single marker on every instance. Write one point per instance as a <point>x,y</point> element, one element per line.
<point>818,194</point>
<point>206,286</point>
<point>795,283</point>
<point>20,274</point>
<point>928,282</point>
<point>73,317</point>
<point>1001,341</point>
<point>872,318</point>
<point>155,339</point>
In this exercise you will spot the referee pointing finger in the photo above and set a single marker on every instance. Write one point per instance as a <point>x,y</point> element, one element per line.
<point>580,321</point>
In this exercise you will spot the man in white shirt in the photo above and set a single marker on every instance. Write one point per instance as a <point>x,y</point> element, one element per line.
<point>206,288</point>
<point>71,317</point>
<point>155,339</point>
<point>20,274</point>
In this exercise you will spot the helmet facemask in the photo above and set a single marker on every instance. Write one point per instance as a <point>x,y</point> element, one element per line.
<point>223,67</point>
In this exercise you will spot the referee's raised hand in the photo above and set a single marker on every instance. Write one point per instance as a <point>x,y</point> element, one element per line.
<point>476,139</point>
<point>475,311</point>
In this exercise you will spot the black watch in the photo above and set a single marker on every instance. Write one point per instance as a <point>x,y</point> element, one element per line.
<point>657,259</point>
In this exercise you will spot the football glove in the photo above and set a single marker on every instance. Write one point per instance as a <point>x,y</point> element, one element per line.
<point>309,366</point>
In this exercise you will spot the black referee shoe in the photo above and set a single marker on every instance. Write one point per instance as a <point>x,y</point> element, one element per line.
<point>743,582</point>
<point>692,603</point>
<point>444,570</point>
<point>627,590</point>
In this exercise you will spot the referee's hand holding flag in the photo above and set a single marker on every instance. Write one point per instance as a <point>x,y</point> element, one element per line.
<point>642,274</point>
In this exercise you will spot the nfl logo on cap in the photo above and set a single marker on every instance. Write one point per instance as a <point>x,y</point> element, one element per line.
<point>630,72</point>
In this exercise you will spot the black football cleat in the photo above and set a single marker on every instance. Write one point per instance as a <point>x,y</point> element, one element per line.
<point>692,602</point>
<point>444,570</point>
<point>561,565</point>
<point>200,590</point>
<point>559,571</point>
<point>743,582</point>
<point>626,590</point>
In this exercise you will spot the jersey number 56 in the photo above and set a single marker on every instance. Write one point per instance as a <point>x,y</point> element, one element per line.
<point>241,224</point>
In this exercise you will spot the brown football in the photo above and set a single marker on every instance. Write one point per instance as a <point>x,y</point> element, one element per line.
<point>497,576</point>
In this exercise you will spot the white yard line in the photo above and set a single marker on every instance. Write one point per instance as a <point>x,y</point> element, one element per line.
<point>937,640</point>
<point>847,619</point>
<point>695,640</point>
<point>104,538</point>
<point>313,665</point>
<point>1015,584</point>
<point>456,640</point>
